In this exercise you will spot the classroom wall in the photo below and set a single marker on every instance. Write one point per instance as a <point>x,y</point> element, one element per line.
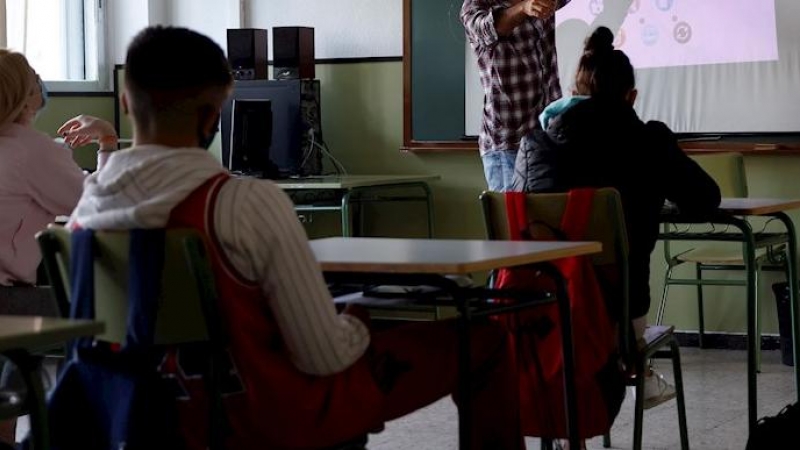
<point>362,109</point>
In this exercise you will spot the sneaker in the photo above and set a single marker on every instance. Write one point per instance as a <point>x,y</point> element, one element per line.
<point>563,444</point>
<point>656,390</point>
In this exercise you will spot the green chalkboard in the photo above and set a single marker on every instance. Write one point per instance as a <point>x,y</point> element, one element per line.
<point>434,58</point>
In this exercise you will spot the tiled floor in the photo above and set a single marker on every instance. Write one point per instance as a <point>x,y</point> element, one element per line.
<point>715,383</point>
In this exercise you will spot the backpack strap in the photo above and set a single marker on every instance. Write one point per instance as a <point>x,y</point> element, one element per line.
<point>516,214</point>
<point>82,282</point>
<point>574,222</point>
<point>576,216</point>
<point>145,265</point>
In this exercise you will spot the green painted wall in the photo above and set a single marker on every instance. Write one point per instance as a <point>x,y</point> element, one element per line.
<point>362,109</point>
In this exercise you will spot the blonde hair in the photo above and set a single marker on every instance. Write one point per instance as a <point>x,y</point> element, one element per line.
<point>15,85</point>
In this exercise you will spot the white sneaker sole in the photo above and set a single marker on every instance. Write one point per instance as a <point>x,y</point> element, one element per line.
<point>652,402</point>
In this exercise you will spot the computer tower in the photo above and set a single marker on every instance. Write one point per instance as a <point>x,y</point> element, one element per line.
<point>296,127</point>
<point>293,53</point>
<point>247,53</point>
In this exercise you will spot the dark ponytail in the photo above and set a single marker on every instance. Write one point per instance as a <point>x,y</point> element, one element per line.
<point>604,72</point>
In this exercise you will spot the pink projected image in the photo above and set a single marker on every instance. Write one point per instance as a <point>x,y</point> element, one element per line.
<point>668,33</point>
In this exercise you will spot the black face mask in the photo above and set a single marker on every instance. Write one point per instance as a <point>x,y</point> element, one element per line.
<point>204,141</point>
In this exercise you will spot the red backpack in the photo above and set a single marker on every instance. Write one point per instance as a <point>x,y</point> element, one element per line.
<point>600,380</point>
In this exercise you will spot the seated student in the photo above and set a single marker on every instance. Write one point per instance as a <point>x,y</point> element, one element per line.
<point>308,377</point>
<point>39,180</point>
<point>596,139</point>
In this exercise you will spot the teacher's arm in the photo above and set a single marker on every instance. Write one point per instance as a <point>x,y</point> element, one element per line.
<point>485,21</point>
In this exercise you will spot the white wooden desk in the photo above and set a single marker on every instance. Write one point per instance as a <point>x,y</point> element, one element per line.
<point>21,336</point>
<point>428,261</point>
<point>733,213</point>
<point>438,256</point>
<point>340,192</point>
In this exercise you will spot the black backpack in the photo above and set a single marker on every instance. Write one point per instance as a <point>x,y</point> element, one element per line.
<point>778,431</point>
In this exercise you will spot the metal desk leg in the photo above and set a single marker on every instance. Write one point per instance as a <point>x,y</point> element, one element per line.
<point>748,247</point>
<point>35,397</point>
<point>568,345</point>
<point>791,269</point>
<point>429,204</point>
<point>345,211</point>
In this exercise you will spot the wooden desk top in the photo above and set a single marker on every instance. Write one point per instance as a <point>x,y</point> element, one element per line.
<point>33,333</point>
<point>757,206</point>
<point>351,181</point>
<point>438,256</point>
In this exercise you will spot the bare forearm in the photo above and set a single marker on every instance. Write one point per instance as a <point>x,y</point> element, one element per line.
<point>506,20</point>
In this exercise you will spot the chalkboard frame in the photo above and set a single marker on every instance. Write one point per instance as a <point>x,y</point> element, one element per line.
<point>417,50</point>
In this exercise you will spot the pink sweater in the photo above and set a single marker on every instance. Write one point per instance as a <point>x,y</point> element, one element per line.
<point>38,181</point>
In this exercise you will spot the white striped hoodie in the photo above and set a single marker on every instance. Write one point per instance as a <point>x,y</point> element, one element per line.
<point>259,233</point>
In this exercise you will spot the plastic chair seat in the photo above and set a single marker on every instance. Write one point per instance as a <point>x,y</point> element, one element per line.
<point>717,256</point>
<point>655,333</point>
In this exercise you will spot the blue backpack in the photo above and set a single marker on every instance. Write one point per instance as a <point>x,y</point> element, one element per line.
<point>114,398</point>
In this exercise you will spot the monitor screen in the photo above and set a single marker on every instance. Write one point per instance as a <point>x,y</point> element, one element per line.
<point>285,143</point>
<point>251,137</point>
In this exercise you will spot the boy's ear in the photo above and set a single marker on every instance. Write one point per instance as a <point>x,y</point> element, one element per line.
<point>632,96</point>
<point>209,118</point>
<point>123,102</point>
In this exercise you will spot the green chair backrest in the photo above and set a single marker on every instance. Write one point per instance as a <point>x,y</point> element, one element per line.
<point>187,293</point>
<point>606,225</point>
<point>727,169</point>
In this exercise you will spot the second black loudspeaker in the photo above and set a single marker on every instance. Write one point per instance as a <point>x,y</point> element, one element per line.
<point>293,53</point>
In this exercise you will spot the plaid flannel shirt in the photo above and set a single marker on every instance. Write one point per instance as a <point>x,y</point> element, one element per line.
<point>519,72</point>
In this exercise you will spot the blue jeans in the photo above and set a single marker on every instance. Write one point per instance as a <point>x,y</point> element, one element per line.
<point>498,167</point>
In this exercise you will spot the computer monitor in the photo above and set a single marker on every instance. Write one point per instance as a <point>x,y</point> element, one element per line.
<point>251,138</point>
<point>284,98</point>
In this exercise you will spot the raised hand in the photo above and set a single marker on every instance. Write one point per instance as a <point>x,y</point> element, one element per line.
<point>540,9</point>
<point>83,129</point>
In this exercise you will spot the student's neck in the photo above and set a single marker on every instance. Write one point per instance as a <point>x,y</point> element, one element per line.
<point>165,140</point>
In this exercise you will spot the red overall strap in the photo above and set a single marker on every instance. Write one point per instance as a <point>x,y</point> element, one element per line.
<point>517,214</point>
<point>576,216</point>
<point>574,222</point>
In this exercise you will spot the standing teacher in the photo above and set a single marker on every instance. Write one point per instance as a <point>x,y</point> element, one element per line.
<point>515,43</point>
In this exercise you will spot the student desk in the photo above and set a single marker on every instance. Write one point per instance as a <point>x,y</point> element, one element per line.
<point>20,336</point>
<point>733,213</point>
<point>342,192</point>
<point>415,262</point>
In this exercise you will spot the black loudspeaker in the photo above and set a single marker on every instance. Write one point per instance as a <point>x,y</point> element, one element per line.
<point>247,53</point>
<point>293,53</point>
